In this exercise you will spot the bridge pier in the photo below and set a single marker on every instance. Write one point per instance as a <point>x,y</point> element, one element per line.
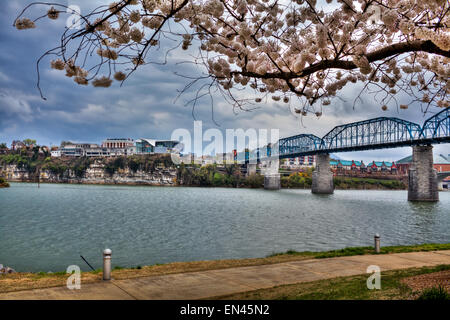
<point>422,177</point>
<point>251,169</point>
<point>272,179</point>
<point>322,177</point>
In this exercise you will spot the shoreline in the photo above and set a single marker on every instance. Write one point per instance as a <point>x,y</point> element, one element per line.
<point>28,280</point>
<point>131,184</point>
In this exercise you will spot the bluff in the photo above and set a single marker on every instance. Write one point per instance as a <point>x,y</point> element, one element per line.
<point>91,171</point>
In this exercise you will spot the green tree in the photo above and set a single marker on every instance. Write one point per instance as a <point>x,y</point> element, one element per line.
<point>218,179</point>
<point>29,142</point>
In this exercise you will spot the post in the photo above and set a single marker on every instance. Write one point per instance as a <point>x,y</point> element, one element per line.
<point>377,243</point>
<point>107,264</point>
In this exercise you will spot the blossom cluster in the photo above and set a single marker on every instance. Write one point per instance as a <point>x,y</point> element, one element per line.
<point>286,49</point>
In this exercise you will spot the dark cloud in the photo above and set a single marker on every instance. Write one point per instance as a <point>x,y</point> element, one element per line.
<point>146,105</point>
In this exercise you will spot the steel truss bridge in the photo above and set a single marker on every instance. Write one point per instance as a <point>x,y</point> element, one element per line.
<point>377,133</point>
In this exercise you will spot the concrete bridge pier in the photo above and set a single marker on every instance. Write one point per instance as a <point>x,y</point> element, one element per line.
<point>251,169</point>
<point>272,179</point>
<point>322,177</point>
<point>422,177</point>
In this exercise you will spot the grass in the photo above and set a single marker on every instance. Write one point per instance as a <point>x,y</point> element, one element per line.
<point>347,288</point>
<point>435,293</point>
<point>353,251</point>
<point>25,281</point>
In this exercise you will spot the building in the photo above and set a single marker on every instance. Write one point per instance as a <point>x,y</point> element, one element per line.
<point>55,153</point>
<point>17,145</point>
<point>118,147</point>
<point>441,163</point>
<point>352,165</point>
<point>300,162</point>
<point>341,165</point>
<point>144,146</point>
<point>382,166</point>
<point>73,149</point>
<point>97,152</point>
<point>3,149</point>
<point>118,143</point>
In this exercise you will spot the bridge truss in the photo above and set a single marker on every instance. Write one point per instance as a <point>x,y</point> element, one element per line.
<point>438,126</point>
<point>377,133</point>
<point>302,143</point>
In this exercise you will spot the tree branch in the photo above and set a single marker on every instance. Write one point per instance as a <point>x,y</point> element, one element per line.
<point>380,54</point>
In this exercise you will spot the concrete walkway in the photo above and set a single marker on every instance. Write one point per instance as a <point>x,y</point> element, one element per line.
<point>213,283</point>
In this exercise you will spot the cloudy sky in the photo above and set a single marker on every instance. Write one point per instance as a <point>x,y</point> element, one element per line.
<point>146,105</point>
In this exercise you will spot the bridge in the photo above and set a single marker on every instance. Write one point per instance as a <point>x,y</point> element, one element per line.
<point>378,133</point>
<point>372,134</point>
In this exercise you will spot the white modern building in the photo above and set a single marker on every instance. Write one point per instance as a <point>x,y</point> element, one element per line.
<point>145,146</point>
<point>55,153</point>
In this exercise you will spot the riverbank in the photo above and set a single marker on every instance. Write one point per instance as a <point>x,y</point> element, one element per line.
<point>3,183</point>
<point>159,170</point>
<point>339,183</point>
<point>26,280</point>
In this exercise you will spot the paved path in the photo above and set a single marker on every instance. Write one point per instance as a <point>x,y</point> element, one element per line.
<point>204,284</point>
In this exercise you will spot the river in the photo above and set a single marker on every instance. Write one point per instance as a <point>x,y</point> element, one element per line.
<point>47,228</point>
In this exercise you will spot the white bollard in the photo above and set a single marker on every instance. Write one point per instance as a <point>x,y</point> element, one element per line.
<point>107,264</point>
<point>377,243</point>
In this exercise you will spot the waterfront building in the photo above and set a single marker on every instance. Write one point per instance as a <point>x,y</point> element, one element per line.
<point>17,145</point>
<point>224,158</point>
<point>97,152</point>
<point>145,146</point>
<point>382,166</point>
<point>352,165</point>
<point>55,153</point>
<point>117,147</point>
<point>300,162</point>
<point>118,143</point>
<point>220,157</point>
<point>207,159</point>
<point>73,149</point>
<point>112,147</point>
<point>440,163</point>
<point>4,150</point>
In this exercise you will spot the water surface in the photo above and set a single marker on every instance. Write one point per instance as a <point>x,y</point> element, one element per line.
<point>47,228</point>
